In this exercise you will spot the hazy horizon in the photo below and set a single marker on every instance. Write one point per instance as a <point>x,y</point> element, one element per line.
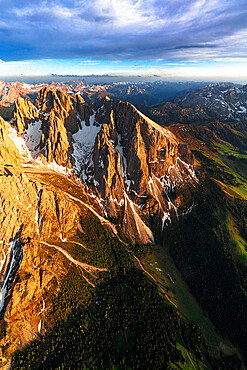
<point>104,79</point>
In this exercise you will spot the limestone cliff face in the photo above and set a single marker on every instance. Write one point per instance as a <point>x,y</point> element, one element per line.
<point>128,161</point>
<point>9,154</point>
<point>146,147</point>
<point>61,105</point>
<point>55,140</point>
<point>136,163</point>
<point>24,113</point>
<point>47,126</point>
<point>56,110</point>
<point>34,219</point>
<point>84,110</point>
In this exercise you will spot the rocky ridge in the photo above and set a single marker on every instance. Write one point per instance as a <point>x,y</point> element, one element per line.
<point>169,113</point>
<point>125,159</point>
<point>225,102</point>
<point>40,224</point>
<point>149,93</point>
<point>11,91</point>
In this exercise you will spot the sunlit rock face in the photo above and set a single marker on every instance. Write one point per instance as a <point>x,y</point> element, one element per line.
<point>123,157</point>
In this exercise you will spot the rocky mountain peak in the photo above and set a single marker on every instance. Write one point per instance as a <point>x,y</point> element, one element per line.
<point>130,163</point>
<point>24,113</point>
<point>57,100</point>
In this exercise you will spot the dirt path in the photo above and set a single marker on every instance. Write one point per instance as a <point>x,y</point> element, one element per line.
<point>76,243</point>
<point>153,278</point>
<point>82,266</point>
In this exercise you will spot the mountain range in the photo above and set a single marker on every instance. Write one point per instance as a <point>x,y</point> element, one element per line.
<point>123,229</point>
<point>149,93</point>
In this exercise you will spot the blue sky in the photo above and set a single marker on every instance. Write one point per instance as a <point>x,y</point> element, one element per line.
<point>174,39</point>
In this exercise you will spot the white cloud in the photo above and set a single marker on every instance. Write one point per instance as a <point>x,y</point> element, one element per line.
<point>89,62</point>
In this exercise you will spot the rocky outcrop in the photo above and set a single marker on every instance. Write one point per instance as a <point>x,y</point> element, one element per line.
<point>125,159</point>
<point>33,218</point>
<point>47,127</point>
<point>55,140</point>
<point>9,154</point>
<point>24,113</point>
<point>132,163</point>
<point>84,110</point>
<point>142,149</point>
<point>128,164</point>
<point>59,122</point>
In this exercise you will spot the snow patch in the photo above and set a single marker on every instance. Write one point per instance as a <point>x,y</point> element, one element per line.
<point>20,144</point>
<point>37,211</point>
<point>14,259</point>
<point>39,325</point>
<point>2,262</point>
<point>166,216</point>
<point>84,140</point>
<point>32,136</point>
<point>61,237</point>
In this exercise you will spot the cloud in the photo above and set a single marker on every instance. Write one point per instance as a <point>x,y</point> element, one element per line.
<point>123,29</point>
<point>89,62</point>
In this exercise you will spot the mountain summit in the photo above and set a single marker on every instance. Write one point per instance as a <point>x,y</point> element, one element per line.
<point>125,160</point>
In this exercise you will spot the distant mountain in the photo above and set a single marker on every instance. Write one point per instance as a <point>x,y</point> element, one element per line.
<point>136,93</point>
<point>225,102</point>
<point>11,91</point>
<point>169,113</point>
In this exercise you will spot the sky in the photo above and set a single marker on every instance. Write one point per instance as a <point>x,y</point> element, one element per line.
<point>168,39</point>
